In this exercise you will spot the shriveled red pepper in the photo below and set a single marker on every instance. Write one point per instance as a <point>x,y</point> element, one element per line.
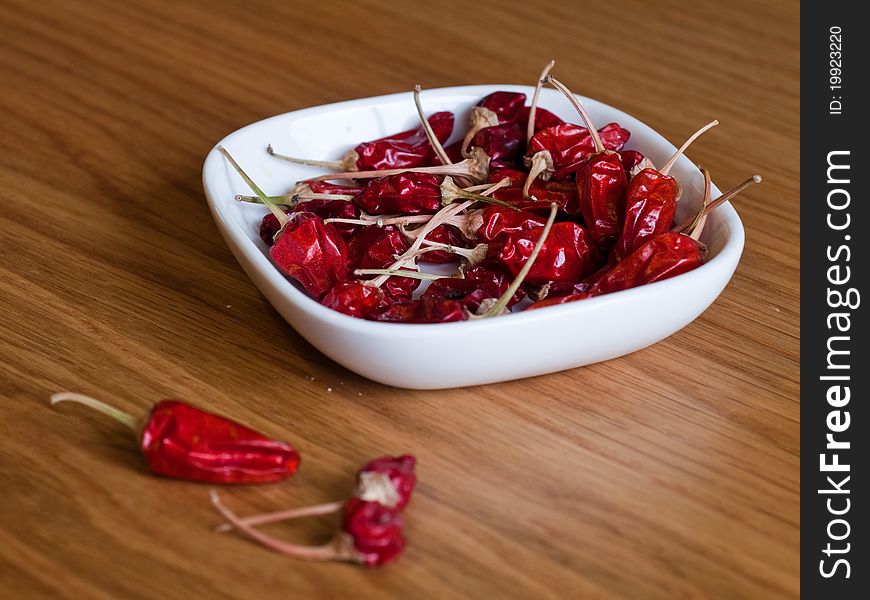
<point>404,150</point>
<point>306,249</point>
<point>376,248</point>
<point>504,144</point>
<point>422,311</point>
<point>494,223</point>
<point>407,193</point>
<point>444,234</point>
<point>557,152</point>
<point>492,272</point>
<point>389,480</point>
<point>325,209</point>
<point>660,257</point>
<point>601,183</point>
<point>183,442</point>
<point>568,254</point>
<point>651,203</point>
<point>371,525</point>
<point>311,252</point>
<point>497,108</point>
<point>354,298</point>
<point>633,160</point>
<point>541,194</point>
<point>470,293</point>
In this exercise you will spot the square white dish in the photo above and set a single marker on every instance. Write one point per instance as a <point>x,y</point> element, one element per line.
<point>435,356</point>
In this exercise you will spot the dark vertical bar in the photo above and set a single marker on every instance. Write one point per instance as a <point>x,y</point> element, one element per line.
<point>835,562</point>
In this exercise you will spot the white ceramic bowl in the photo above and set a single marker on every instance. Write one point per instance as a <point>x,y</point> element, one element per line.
<point>473,352</point>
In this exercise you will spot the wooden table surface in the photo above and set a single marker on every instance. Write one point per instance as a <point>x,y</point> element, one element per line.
<point>669,473</point>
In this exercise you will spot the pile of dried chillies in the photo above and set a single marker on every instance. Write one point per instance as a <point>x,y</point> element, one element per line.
<point>181,441</point>
<point>354,238</point>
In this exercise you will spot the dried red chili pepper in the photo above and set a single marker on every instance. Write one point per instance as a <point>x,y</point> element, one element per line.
<point>354,298</point>
<point>501,305</point>
<point>448,235</point>
<point>660,257</point>
<point>183,442</point>
<point>557,152</point>
<point>406,193</point>
<point>494,273</point>
<point>422,311</point>
<point>306,249</point>
<point>633,160</point>
<point>325,209</point>
<point>475,168</point>
<point>312,253</point>
<point>370,534</point>
<point>504,144</point>
<point>494,223</point>
<point>470,293</point>
<point>388,480</point>
<point>541,193</point>
<point>403,150</point>
<point>651,202</point>
<point>497,108</point>
<point>568,254</point>
<point>377,248</point>
<point>601,183</point>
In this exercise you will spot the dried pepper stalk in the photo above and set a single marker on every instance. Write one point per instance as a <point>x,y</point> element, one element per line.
<point>371,526</point>
<point>403,150</point>
<point>601,183</point>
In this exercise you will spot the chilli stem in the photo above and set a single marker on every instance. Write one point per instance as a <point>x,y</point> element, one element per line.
<point>433,139</point>
<point>596,139</point>
<point>335,165</point>
<point>282,217</point>
<point>669,165</point>
<point>117,414</point>
<point>719,201</point>
<point>328,551</point>
<point>533,110</point>
<point>326,508</point>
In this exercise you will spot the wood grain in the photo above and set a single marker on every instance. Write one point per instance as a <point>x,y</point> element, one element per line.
<point>670,473</point>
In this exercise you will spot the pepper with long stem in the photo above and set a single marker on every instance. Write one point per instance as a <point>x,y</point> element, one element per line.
<point>600,181</point>
<point>651,202</point>
<point>183,442</point>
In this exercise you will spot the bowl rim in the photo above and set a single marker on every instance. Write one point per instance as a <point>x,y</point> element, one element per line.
<point>729,253</point>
